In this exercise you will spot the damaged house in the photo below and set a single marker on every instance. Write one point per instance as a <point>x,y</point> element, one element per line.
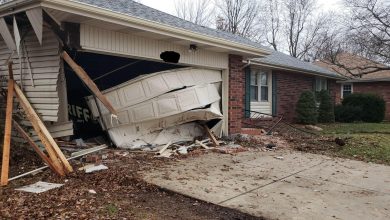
<point>163,78</point>
<point>141,76</point>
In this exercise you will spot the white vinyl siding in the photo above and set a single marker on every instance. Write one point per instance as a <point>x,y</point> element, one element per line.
<point>115,42</point>
<point>261,91</point>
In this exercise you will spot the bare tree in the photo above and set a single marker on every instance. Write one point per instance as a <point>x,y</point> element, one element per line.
<point>197,11</point>
<point>272,22</point>
<point>369,33</point>
<point>237,16</point>
<point>302,27</point>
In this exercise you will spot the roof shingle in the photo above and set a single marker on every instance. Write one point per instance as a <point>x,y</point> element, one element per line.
<point>280,59</point>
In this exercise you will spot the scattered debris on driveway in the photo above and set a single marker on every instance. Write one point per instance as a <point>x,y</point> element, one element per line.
<point>95,168</point>
<point>39,187</point>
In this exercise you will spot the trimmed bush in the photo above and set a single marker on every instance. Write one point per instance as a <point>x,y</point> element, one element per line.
<point>347,113</point>
<point>326,108</point>
<point>372,106</point>
<point>306,108</point>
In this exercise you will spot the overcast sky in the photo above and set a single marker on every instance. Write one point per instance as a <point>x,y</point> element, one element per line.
<point>169,5</point>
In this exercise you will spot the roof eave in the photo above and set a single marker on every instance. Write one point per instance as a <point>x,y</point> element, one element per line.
<point>364,80</point>
<point>287,68</point>
<point>17,6</point>
<point>151,26</point>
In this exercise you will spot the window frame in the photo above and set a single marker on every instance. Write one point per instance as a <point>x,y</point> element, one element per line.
<point>257,73</point>
<point>342,88</point>
<point>320,81</point>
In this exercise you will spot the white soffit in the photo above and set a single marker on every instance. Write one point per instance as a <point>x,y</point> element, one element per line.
<point>17,36</point>
<point>6,34</point>
<point>36,20</point>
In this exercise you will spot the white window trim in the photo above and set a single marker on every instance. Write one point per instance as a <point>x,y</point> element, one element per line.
<point>342,89</point>
<point>269,85</point>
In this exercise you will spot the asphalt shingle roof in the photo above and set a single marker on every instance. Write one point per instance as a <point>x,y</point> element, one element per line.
<point>134,9</point>
<point>283,60</point>
<point>138,10</point>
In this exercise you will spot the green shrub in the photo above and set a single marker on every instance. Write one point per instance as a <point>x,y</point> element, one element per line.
<point>347,113</point>
<point>306,108</point>
<point>326,108</point>
<point>373,107</point>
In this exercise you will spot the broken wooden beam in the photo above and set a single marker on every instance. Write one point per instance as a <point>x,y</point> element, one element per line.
<point>42,155</point>
<point>47,140</point>
<point>211,136</point>
<point>80,72</point>
<point>7,128</point>
<point>202,145</point>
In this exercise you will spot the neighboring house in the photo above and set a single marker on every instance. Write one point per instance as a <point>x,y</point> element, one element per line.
<point>376,82</point>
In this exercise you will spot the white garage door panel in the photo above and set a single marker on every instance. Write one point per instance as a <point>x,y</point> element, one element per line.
<point>168,105</point>
<point>150,86</point>
<point>132,94</point>
<point>213,112</point>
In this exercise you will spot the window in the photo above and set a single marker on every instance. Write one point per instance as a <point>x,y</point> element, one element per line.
<point>254,87</point>
<point>259,86</point>
<point>321,84</point>
<point>346,89</point>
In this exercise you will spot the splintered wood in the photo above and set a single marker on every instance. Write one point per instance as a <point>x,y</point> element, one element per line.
<point>88,82</point>
<point>55,160</point>
<point>8,128</point>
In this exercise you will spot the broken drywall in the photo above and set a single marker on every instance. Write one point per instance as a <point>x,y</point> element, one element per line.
<point>182,133</point>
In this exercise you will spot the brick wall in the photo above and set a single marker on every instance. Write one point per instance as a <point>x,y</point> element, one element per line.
<point>380,88</point>
<point>290,85</point>
<point>236,93</point>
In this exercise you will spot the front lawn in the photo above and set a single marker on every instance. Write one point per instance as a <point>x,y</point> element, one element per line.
<point>364,141</point>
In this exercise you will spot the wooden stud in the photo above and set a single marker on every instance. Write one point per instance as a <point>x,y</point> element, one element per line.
<point>88,82</point>
<point>211,136</point>
<point>44,135</point>
<point>42,155</point>
<point>7,128</point>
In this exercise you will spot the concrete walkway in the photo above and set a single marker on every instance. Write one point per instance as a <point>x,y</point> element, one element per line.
<point>299,186</point>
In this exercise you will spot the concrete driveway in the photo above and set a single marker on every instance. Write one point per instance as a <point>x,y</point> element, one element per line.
<point>295,186</point>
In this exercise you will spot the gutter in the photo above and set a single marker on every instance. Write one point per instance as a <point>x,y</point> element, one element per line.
<point>298,70</point>
<point>98,13</point>
<point>365,80</point>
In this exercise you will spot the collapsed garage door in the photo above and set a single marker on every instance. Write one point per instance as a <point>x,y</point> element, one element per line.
<point>156,102</point>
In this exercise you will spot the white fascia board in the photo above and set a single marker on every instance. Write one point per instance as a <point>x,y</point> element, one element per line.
<point>151,26</point>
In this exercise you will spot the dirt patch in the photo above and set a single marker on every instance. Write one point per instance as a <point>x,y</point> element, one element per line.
<point>120,194</point>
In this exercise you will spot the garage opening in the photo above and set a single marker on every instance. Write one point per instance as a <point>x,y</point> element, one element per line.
<point>107,72</point>
<point>156,102</point>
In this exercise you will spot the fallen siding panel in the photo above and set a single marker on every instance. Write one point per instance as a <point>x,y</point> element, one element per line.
<point>45,69</point>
